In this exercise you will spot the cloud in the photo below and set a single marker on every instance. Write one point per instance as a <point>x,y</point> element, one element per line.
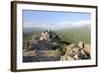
<point>82,23</point>
<point>67,24</point>
<point>58,25</point>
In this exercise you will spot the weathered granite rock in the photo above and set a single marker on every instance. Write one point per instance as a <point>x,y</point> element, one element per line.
<point>51,41</point>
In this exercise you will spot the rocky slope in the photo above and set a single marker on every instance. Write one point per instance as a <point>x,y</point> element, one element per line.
<point>51,47</point>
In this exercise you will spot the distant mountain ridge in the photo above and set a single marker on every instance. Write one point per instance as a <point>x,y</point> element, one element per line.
<point>37,29</point>
<point>26,30</point>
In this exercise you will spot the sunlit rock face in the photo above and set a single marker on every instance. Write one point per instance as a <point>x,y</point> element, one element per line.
<point>47,40</point>
<point>49,36</point>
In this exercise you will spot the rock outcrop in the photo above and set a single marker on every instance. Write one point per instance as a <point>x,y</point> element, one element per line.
<point>66,50</point>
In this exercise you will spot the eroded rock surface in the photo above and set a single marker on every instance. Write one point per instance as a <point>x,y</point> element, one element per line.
<point>51,47</point>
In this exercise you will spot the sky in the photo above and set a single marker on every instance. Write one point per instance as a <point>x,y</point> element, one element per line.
<point>55,20</point>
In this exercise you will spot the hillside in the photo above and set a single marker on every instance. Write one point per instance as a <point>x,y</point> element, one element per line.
<point>76,34</point>
<point>71,34</point>
<point>51,46</point>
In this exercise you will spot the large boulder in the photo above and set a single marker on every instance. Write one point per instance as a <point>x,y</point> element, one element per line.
<point>81,45</point>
